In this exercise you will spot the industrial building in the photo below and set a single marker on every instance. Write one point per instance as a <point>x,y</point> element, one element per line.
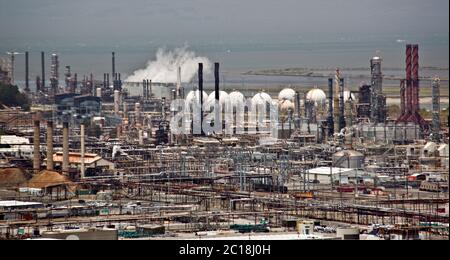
<point>118,164</point>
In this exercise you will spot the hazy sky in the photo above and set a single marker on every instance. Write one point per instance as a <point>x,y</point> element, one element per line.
<point>111,20</point>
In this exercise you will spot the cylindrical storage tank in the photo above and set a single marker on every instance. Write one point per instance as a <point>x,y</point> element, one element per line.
<point>348,159</point>
<point>347,233</point>
<point>99,92</point>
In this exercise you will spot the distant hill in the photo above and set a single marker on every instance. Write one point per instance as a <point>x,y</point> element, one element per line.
<point>10,96</point>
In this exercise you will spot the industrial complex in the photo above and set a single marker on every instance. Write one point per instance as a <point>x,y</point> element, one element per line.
<point>100,157</point>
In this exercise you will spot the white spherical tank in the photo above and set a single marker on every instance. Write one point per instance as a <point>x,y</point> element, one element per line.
<point>316,95</point>
<point>223,98</point>
<point>195,96</point>
<point>287,94</point>
<point>236,98</point>
<point>261,98</point>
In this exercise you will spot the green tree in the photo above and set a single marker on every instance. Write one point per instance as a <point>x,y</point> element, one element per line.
<point>11,96</point>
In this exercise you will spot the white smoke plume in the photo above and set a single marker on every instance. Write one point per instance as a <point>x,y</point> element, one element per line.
<point>164,68</point>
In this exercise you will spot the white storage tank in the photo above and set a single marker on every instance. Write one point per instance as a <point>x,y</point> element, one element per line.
<point>349,159</point>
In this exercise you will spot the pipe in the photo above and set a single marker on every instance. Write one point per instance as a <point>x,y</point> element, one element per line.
<point>36,146</point>
<point>82,144</point>
<point>65,163</point>
<point>50,164</point>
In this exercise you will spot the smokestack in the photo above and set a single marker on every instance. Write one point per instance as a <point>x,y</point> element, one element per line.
<point>144,89</point>
<point>82,174</point>
<point>27,75</point>
<point>75,83</point>
<point>107,80</point>
<point>330,119</point>
<point>217,80</point>
<point>38,84</point>
<point>43,70</point>
<point>200,88</point>
<point>65,163</point>
<point>217,109</point>
<point>436,127</point>
<point>408,80</point>
<point>116,102</point>
<point>341,105</point>
<point>113,64</point>
<point>337,84</point>
<point>36,145</point>
<point>415,78</point>
<point>179,82</point>
<point>149,89</point>
<point>50,165</point>
<point>91,82</point>
<point>104,80</point>
<point>402,98</point>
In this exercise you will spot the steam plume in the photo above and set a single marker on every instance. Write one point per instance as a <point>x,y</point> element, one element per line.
<point>164,68</point>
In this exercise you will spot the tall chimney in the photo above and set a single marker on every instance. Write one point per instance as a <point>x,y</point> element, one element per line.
<point>179,82</point>
<point>402,98</point>
<point>408,80</point>
<point>65,163</point>
<point>330,119</point>
<point>27,74</point>
<point>436,125</point>
<point>217,109</point>
<point>144,89</point>
<point>341,105</point>
<point>36,145</point>
<point>116,102</point>
<point>113,64</point>
<point>107,80</point>
<point>216,81</point>
<point>415,78</point>
<point>82,151</point>
<point>43,70</point>
<point>50,165</point>
<point>149,89</point>
<point>200,88</point>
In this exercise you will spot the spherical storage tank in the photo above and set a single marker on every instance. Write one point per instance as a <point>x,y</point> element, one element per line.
<point>261,98</point>
<point>284,107</point>
<point>348,159</point>
<point>316,95</point>
<point>236,98</point>
<point>223,98</point>
<point>195,96</point>
<point>287,94</point>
